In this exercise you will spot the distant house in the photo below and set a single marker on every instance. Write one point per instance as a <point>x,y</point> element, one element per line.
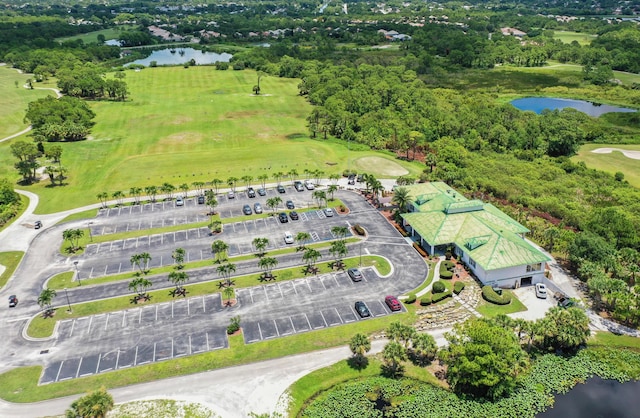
<point>393,35</point>
<point>513,32</point>
<point>487,240</point>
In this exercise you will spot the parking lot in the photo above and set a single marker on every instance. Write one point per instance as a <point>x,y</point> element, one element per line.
<point>137,336</point>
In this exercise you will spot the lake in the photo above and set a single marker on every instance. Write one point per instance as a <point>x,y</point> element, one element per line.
<point>182,55</point>
<point>537,104</point>
<point>597,398</point>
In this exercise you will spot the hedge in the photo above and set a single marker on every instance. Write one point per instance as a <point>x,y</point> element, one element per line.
<point>446,274</point>
<point>426,300</point>
<point>457,287</point>
<point>491,296</point>
<point>438,287</point>
<point>419,249</point>
<point>411,298</point>
<point>359,230</point>
<point>401,230</point>
<point>437,297</point>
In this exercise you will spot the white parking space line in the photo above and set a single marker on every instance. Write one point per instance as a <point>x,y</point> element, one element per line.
<point>98,363</point>
<point>120,268</point>
<point>293,326</point>
<point>276,325</point>
<point>190,348</point>
<point>139,319</point>
<point>106,324</point>
<point>124,318</point>
<point>280,289</point>
<point>260,331</point>
<point>117,359</point>
<point>206,334</point>
<point>73,323</point>
<point>154,351</point>
<point>91,274</point>
<point>325,321</point>
<point>339,317</point>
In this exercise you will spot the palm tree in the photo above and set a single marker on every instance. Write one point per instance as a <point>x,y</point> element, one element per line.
<point>274,202</point>
<point>95,404</point>
<point>317,174</point>
<point>267,264</point>
<point>231,182</point>
<point>103,198</point>
<point>293,173</point>
<point>228,293</point>
<point>393,355</point>
<point>219,248</point>
<point>139,285</point>
<point>73,236</point>
<point>302,238</point>
<point>151,191</point>
<point>145,258</point>
<point>340,232</point>
<point>168,189</point>
<point>178,257</point>
<point>225,271</point>
<point>334,178</point>
<point>260,244</point>
<point>320,196</point>
<point>338,250</point>
<point>216,184</point>
<point>310,256</point>
<point>278,176</point>
<point>247,179</point>
<point>135,262</point>
<point>135,192</point>
<point>184,187</point>
<point>424,348</point>
<point>376,187</point>
<point>46,299</point>
<point>401,198</point>
<point>119,195</point>
<point>331,189</point>
<point>263,179</point>
<point>211,201</point>
<point>359,346</point>
<point>198,185</point>
<point>178,278</point>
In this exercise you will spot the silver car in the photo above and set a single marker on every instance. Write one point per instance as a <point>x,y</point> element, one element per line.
<point>257,208</point>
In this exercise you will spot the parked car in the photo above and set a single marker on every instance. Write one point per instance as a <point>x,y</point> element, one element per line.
<point>246,209</point>
<point>13,301</point>
<point>355,274</point>
<point>309,185</point>
<point>251,192</point>
<point>293,215</point>
<point>362,309</point>
<point>179,201</point>
<point>283,218</point>
<point>328,212</point>
<point>541,290</point>
<point>288,238</point>
<point>262,191</point>
<point>393,303</point>
<point>257,208</point>
<point>201,200</point>
<point>290,204</point>
<point>231,195</point>
<point>298,186</point>
<point>351,179</point>
<point>281,188</point>
<point>565,302</point>
<point>37,224</point>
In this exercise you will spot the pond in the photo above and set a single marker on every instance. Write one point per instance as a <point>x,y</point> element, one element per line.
<point>597,398</point>
<point>537,104</point>
<point>178,56</point>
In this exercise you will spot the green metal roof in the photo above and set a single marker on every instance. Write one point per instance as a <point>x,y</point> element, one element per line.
<point>489,236</point>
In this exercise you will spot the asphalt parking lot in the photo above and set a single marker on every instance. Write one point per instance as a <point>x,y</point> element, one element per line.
<point>137,336</point>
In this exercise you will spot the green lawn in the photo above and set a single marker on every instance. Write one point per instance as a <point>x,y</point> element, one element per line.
<point>612,162</point>
<point>10,261</point>
<point>15,99</point>
<point>491,310</point>
<point>92,37</point>
<point>185,125</point>
<point>608,339</point>
<point>567,37</point>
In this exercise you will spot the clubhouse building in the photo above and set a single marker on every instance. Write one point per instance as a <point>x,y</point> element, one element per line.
<point>488,241</point>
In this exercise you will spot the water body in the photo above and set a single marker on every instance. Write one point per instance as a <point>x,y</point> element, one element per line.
<point>538,104</point>
<point>597,398</point>
<point>181,55</point>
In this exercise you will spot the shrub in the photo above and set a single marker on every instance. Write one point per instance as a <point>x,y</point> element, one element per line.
<point>411,298</point>
<point>491,296</point>
<point>426,300</point>
<point>438,287</point>
<point>401,230</point>
<point>446,274</point>
<point>359,230</point>
<point>457,287</point>
<point>234,325</point>
<point>437,297</point>
<point>419,249</point>
<point>447,265</point>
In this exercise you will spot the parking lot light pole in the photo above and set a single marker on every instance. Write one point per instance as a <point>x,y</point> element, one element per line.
<point>75,263</point>
<point>68,303</point>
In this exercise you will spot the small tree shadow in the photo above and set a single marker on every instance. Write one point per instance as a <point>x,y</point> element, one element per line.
<point>179,292</point>
<point>358,363</point>
<point>140,299</point>
<point>392,371</point>
<point>310,270</point>
<point>48,313</point>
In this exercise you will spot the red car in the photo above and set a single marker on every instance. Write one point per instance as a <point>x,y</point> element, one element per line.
<point>393,303</point>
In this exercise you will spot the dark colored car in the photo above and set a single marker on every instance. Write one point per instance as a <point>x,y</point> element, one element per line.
<point>352,179</point>
<point>201,200</point>
<point>290,204</point>
<point>355,274</point>
<point>362,309</point>
<point>298,186</point>
<point>251,192</point>
<point>246,209</point>
<point>280,188</point>
<point>393,303</point>
<point>565,302</point>
<point>283,217</point>
<point>37,225</point>
<point>13,301</point>
<point>262,192</point>
<point>293,215</point>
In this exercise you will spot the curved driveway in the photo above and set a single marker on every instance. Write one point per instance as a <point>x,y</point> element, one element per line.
<point>43,260</point>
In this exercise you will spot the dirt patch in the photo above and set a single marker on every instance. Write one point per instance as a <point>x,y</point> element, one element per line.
<point>380,165</point>
<point>181,120</point>
<point>181,138</point>
<point>240,115</point>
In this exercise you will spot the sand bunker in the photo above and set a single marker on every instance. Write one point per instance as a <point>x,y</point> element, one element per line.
<point>635,155</point>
